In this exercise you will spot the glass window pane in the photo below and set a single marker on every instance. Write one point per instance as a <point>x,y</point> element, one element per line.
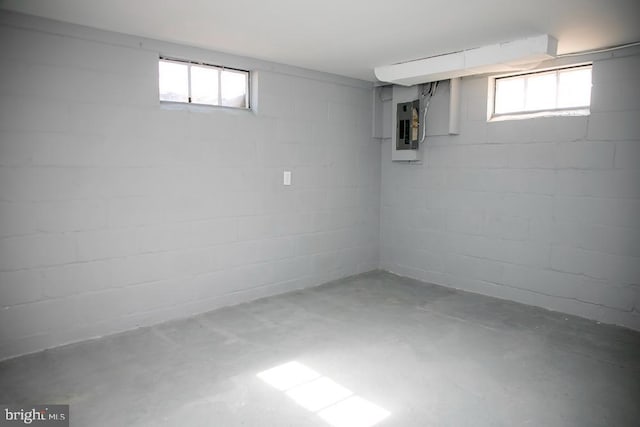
<point>541,92</point>
<point>204,85</point>
<point>173,81</point>
<point>234,89</point>
<point>509,95</point>
<point>574,88</point>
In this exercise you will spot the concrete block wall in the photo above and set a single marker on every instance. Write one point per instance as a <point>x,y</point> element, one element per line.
<point>116,212</point>
<point>544,211</point>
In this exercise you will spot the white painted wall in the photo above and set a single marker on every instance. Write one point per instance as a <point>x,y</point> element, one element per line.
<point>543,211</point>
<point>117,213</point>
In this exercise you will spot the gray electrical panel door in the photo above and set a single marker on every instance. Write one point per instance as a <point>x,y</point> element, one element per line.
<point>408,125</point>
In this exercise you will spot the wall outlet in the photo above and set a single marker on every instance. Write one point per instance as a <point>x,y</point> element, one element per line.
<point>286,178</point>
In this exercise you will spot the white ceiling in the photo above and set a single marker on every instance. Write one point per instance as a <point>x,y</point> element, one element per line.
<point>351,37</point>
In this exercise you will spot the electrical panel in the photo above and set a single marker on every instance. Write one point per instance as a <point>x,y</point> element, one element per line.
<point>410,110</point>
<point>405,145</point>
<point>408,125</point>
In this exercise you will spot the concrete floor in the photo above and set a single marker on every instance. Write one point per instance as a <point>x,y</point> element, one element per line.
<point>424,355</point>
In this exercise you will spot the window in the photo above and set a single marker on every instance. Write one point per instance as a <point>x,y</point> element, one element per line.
<point>554,92</point>
<point>195,83</point>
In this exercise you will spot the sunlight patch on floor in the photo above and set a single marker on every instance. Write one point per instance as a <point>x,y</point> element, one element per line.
<point>332,402</point>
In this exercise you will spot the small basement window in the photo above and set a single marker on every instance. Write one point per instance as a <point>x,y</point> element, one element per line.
<point>564,91</point>
<point>204,84</point>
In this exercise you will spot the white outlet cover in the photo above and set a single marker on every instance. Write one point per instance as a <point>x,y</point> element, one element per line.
<point>286,178</point>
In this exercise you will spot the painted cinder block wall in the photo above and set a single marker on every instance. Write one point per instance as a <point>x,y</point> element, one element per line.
<point>117,213</point>
<point>543,211</point>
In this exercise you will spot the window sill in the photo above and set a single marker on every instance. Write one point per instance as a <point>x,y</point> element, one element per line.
<point>538,114</point>
<point>201,108</point>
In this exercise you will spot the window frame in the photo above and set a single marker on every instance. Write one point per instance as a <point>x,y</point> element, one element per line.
<point>582,110</point>
<point>220,69</point>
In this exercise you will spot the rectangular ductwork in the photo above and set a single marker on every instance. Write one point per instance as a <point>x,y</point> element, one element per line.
<point>510,56</point>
